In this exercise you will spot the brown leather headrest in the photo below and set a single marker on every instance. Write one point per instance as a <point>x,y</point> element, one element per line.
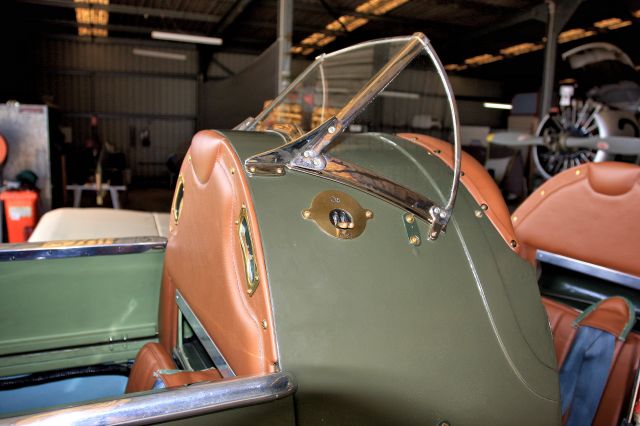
<point>615,315</point>
<point>204,151</point>
<point>613,178</point>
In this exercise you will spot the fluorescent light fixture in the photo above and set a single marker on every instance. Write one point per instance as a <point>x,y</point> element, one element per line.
<point>186,38</point>
<point>495,105</point>
<point>455,67</point>
<point>400,95</point>
<point>160,54</point>
<point>612,24</point>
<point>574,34</point>
<point>520,49</point>
<point>487,58</point>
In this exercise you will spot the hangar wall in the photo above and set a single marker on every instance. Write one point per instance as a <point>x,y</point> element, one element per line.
<point>131,94</point>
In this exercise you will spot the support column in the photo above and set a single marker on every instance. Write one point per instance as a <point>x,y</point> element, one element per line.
<point>285,30</point>
<point>559,13</point>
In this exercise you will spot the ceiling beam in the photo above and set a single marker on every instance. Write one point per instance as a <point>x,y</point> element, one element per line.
<point>131,10</point>
<point>320,9</point>
<point>232,14</point>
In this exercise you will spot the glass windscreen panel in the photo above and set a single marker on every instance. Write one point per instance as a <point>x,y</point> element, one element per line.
<point>329,84</point>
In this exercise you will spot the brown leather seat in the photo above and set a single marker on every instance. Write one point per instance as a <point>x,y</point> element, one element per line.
<point>588,213</point>
<point>204,262</point>
<point>616,396</point>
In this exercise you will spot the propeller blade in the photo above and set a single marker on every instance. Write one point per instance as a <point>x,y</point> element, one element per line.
<point>514,139</point>
<point>623,145</point>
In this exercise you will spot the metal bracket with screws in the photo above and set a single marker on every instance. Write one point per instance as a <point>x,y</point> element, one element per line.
<point>413,231</point>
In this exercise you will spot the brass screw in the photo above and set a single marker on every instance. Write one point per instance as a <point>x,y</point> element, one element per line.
<point>279,170</point>
<point>409,218</point>
<point>542,193</point>
<point>484,207</point>
<point>233,171</point>
<point>264,324</point>
<point>368,214</point>
<point>515,218</point>
<point>478,213</point>
<point>252,169</point>
<point>306,213</point>
<point>577,172</point>
<point>414,240</point>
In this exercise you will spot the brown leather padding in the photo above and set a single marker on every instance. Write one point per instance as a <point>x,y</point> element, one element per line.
<point>478,182</point>
<point>182,378</point>
<point>589,212</point>
<point>204,260</point>
<point>151,358</point>
<point>612,316</point>
<point>617,393</point>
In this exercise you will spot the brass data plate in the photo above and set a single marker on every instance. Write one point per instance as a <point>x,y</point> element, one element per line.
<point>338,214</point>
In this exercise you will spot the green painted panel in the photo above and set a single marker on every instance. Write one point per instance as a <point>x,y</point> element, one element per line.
<point>276,413</point>
<point>64,303</point>
<point>378,331</point>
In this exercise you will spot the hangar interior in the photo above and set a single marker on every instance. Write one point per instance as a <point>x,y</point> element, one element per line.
<point>454,184</point>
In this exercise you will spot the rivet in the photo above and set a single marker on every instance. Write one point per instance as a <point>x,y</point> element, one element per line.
<point>317,162</point>
<point>264,324</point>
<point>306,213</point>
<point>478,213</point>
<point>409,218</point>
<point>331,129</point>
<point>542,193</point>
<point>252,169</point>
<point>577,172</point>
<point>414,240</point>
<point>237,222</point>
<point>434,234</point>
<point>484,207</point>
<point>443,215</point>
<point>308,153</point>
<point>233,171</point>
<point>279,170</point>
<point>368,214</point>
<point>514,243</point>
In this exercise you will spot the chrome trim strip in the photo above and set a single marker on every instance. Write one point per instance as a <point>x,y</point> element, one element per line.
<point>209,345</point>
<point>79,248</point>
<point>597,271</point>
<point>365,180</point>
<point>170,404</point>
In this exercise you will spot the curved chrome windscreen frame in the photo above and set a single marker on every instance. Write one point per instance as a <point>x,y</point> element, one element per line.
<point>308,153</point>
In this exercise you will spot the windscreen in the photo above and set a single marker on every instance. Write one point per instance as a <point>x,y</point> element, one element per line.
<point>327,86</point>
